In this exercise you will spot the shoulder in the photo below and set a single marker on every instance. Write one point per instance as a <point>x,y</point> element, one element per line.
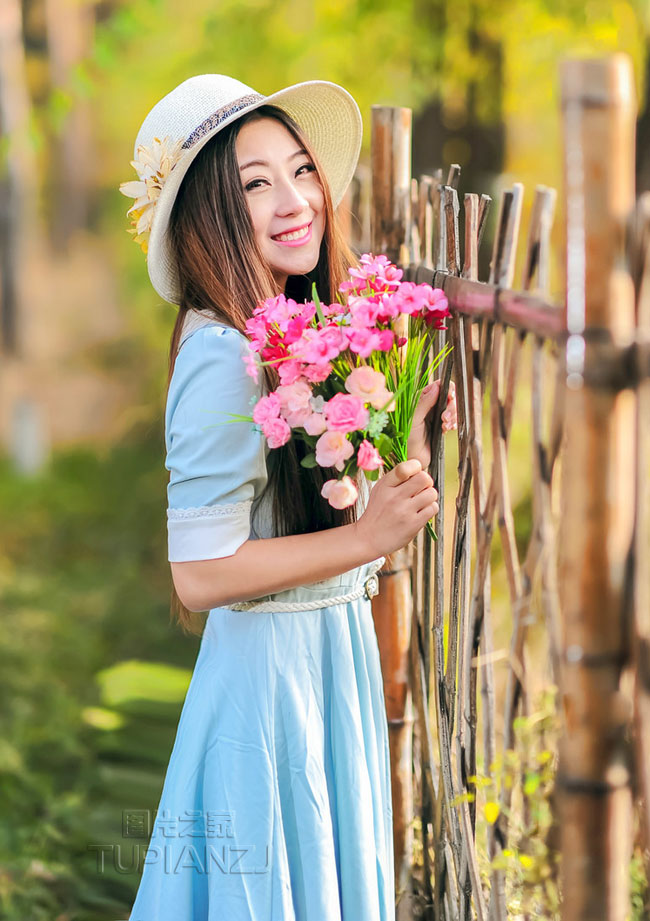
<point>214,351</point>
<point>209,370</point>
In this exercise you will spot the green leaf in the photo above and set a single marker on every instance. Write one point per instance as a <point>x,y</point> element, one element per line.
<point>309,460</point>
<point>384,444</point>
<point>316,300</point>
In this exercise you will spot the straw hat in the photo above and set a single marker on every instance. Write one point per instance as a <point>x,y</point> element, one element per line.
<point>185,119</point>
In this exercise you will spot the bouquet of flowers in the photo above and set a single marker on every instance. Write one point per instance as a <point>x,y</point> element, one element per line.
<point>350,383</point>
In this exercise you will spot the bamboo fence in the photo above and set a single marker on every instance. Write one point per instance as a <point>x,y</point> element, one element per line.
<point>582,573</point>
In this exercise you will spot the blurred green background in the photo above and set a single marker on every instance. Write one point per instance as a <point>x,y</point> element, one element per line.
<point>93,676</point>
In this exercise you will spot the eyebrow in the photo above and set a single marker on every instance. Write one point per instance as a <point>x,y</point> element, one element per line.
<point>298,153</point>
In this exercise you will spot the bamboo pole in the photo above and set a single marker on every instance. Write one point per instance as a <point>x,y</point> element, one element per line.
<point>641,550</point>
<point>598,493</point>
<point>393,606</point>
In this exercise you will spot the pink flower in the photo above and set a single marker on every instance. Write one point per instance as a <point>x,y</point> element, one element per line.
<point>345,413</point>
<point>436,308</point>
<point>333,449</point>
<point>315,424</point>
<point>276,431</point>
<point>380,266</point>
<point>319,345</point>
<point>368,457</point>
<point>332,310</point>
<point>363,341</point>
<point>280,310</point>
<point>289,371</point>
<point>340,493</point>
<point>266,408</point>
<point>412,298</point>
<point>256,330</point>
<point>335,337</point>
<point>386,339</point>
<point>369,386</point>
<point>295,329</point>
<point>252,368</point>
<point>389,307</point>
<point>364,311</point>
<point>318,372</point>
<point>294,402</point>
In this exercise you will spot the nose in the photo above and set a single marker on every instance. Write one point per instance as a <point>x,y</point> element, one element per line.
<point>290,198</point>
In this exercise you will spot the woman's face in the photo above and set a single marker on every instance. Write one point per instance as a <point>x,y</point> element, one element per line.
<point>284,196</point>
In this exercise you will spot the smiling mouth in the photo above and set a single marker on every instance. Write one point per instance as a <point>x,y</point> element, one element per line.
<point>300,234</point>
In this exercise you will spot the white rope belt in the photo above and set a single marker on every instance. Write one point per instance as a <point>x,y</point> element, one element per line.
<point>369,589</point>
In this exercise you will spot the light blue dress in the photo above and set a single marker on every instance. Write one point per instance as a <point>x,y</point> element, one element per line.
<point>276,804</point>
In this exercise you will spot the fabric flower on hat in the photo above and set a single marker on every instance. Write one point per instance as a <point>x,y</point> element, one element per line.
<point>153,165</point>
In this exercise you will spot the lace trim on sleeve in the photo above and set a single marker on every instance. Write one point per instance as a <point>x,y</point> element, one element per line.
<point>209,511</point>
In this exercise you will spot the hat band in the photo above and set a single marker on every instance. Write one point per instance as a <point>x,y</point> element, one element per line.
<point>214,120</point>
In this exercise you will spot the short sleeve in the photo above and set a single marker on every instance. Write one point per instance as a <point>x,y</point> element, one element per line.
<point>217,466</point>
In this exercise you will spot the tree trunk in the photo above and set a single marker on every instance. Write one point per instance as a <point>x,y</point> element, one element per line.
<point>17,169</point>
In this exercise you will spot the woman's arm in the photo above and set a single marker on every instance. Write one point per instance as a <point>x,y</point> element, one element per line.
<point>399,505</point>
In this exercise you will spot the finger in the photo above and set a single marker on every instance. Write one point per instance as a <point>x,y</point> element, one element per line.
<point>428,398</point>
<point>406,469</point>
<point>416,484</point>
<point>424,502</point>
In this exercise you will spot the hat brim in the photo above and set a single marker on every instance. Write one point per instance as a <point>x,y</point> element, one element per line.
<point>331,120</point>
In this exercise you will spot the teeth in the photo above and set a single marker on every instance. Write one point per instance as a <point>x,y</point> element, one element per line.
<point>296,235</point>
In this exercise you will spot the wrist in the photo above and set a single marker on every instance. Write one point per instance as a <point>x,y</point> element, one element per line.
<point>361,545</point>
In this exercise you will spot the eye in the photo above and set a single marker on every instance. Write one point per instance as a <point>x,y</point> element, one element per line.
<point>308,166</point>
<point>253,184</point>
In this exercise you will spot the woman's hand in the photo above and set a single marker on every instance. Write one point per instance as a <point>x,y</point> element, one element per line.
<point>400,504</point>
<point>418,442</point>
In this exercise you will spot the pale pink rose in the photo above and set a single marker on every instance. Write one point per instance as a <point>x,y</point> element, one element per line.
<point>294,397</point>
<point>345,413</point>
<point>266,408</point>
<point>333,449</point>
<point>368,457</point>
<point>340,493</point>
<point>368,385</point>
<point>276,431</point>
<point>315,424</point>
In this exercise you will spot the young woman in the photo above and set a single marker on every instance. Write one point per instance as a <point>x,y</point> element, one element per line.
<point>276,804</point>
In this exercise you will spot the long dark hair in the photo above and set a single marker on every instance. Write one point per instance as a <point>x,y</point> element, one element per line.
<point>223,273</point>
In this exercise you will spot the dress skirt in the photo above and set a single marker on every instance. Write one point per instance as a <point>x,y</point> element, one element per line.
<point>276,804</point>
